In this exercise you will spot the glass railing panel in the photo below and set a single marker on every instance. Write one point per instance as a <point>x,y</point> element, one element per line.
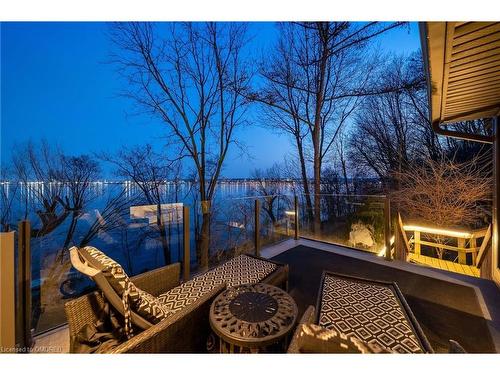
<point>355,221</point>
<point>233,225</point>
<point>232,229</point>
<point>276,219</point>
<point>138,235</point>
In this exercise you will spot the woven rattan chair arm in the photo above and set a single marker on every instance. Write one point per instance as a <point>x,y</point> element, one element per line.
<point>164,336</point>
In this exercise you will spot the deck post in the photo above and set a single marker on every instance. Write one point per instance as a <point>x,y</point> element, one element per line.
<point>462,259</point>
<point>257,228</point>
<point>473,245</point>
<point>387,228</point>
<point>187,247</point>
<point>416,241</point>
<point>7,292</point>
<point>296,214</point>
<point>24,283</point>
<point>494,270</point>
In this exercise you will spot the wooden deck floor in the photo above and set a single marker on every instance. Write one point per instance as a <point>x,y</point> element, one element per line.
<point>445,265</point>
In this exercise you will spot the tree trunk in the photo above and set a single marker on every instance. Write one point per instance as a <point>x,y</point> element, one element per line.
<point>344,173</point>
<point>204,241</point>
<point>316,131</point>
<point>305,183</point>
<point>317,191</point>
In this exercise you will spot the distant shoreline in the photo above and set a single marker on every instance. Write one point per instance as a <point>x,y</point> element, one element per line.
<point>221,181</point>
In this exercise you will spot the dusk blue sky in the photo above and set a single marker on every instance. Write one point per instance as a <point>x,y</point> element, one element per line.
<point>56,85</point>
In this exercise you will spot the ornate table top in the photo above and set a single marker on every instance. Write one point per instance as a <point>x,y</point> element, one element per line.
<point>253,315</point>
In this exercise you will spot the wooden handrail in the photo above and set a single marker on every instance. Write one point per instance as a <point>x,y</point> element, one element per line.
<point>446,247</point>
<point>484,246</point>
<point>481,232</point>
<point>403,234</point>
<point>466,240</point>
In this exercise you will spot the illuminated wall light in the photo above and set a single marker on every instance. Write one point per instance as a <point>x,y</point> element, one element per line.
<point>444,232</point>
<point>291,213</point>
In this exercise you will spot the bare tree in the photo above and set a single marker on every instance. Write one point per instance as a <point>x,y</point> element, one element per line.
<point>79,174</point>
<point>388,127</point>
<point>149,171</point>
<point>8,192</point>
<point>445,193</point>
<point>331,192</point>
<point>190,76</point>
<point>38,169</point>
<point>53,188</point>
<point>313,83</point>
<point>112,216</point>
<point>270,187</point>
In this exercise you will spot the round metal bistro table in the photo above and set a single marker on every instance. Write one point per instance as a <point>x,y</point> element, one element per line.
<point>249,318</point>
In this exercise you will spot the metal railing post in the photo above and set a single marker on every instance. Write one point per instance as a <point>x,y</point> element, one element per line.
<point>257,228</point>
<point>24,283</point>
<point>296,213</point>
<point>187,247</point>
<point>7,291</point>
<point>387,228</point>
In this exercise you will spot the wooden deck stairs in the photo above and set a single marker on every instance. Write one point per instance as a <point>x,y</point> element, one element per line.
<point>466,244</point>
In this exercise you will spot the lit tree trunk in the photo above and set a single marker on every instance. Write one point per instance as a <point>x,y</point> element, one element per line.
<point>317,191</point>
<point>204,241</point>
<point>305,182</point>
<point>316,131</point>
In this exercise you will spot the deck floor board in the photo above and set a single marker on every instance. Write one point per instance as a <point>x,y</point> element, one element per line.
<point>446,265</point>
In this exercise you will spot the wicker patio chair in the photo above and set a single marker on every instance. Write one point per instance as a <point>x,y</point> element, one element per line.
<point>374,313</point>
<point>186,330</point>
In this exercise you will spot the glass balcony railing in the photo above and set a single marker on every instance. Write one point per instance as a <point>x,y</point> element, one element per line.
<point>356,221</point>
<point>118,220</point>
<point>140,237</point>
<point>235,221</point>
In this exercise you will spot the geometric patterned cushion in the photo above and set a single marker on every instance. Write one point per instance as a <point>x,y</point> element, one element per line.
<point>237,271</point>
<point>315,339</point>
<point>117,278</point>
<point>132,297</point>
<point>150,308</point>
<point>371,312</point>
<point>112,270</point>
<point>240,270</point>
